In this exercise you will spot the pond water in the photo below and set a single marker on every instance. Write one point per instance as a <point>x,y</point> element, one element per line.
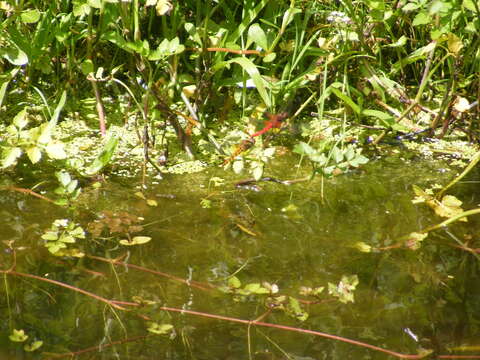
<point>302,235</point>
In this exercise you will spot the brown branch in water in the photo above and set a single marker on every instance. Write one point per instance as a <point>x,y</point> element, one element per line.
<point>70,287</point>
<point>192,283</point>
<point>294,329</point>
<point>29,192</point>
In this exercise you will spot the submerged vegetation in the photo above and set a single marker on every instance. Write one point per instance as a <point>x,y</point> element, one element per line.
<point>138,90</point>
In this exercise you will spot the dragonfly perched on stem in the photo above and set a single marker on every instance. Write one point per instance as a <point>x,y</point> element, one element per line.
<point>274,121</point>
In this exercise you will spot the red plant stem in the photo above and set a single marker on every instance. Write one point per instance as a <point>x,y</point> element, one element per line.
<point>191,283</point>
<point>299,330</point>
<point>97,347</point>
<point>29,192</point>
<point>70,287</point>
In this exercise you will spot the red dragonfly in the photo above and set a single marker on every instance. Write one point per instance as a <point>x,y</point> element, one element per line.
<point>274,121</point>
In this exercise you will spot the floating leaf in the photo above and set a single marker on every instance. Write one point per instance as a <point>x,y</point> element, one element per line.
<point>18,336</point>
<point>363,247</point>
<point>344,290</point>
<point>294,309</point>
<point>33,346</point>
<point>152,202</point>
<point>234,282</point>
<point>414,240</point>
<point>255,288</point>
<point>137,240</point>
<point>160,329</point>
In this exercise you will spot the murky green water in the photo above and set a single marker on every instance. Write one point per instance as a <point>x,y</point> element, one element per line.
<point>291,236</point>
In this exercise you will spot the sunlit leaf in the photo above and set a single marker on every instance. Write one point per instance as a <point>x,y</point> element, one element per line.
<point>234,282</point>
<point>238,166</point>
<point>363,247</point>
<point>413,240</point>
<point>163,7</point>
<point>104,158</point>
<point>34,154</point>
<point>137,240</point>
<point>10,156</point>
<point>33,346</point>
<point>256,288</point>
<point>455,44</point>
<point>14,55</point>
<point>30,16</point>
<point>50,236</point>
<point>160,329</point>
<point>257,35</point>
<point>20,120</point>
<point>269,58</point>
<point>294,309</point>
<point>63,177</point>
<point>422,18</point>
<point>258,171</point>
<point>345,288</point>
<point>18,336</point>
<point>152,202</point>
<point>252,70</point>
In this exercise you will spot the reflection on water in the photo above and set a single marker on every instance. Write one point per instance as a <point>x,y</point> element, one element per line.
<point>291,236</point>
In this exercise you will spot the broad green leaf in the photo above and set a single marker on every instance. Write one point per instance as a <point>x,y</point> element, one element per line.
<point>422,18</point>
<point>152,202</point>
<point>137,240</point>
<point>63,178</point>
<point>347,100</point>
<point>252,70</point>
<point>160,329</point>
<point>50,236</point>
<point>363,247</point>
<point>238,166</point>
<point>30,16</point>
<point>269,58</point>
<point>81,9</point>
<point>87,67</point>
<point>20,120</point>
<point>257,35</point>
<point>256,288</point>
<point>78,232</point>
<point>163,7</point>
<point>56,150</point>
<point>34,154</point>
<point>258,171</point>
<point>303,149</point>
<point>288,16</point>
<point>413,240</point>
<point>96,4</point>
<point>234,282</point>
<point>14,55</point>
<point>470,5</point>
<point>455,44</point>
<point>104,158</point>
<point>33,346</point>
<point>295,310</point>
<point>399,43</point>
<point>18,336</point>
<point>67,238</point>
